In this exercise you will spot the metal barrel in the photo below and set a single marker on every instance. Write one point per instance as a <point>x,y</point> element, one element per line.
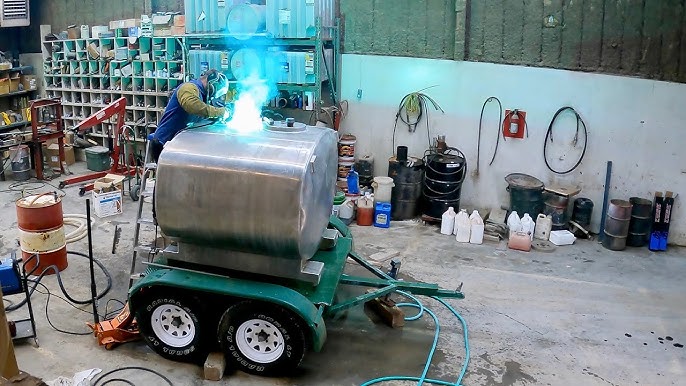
<point>583,209</point>
<point>555,206</point>
<point>641,220</point>
<point>407,191</point>
<point>443,177</point>
<point>617,225</point>
<point>365,169</point>
<point>41,230</point>
<point>526,194</point>
<point>21,162</point>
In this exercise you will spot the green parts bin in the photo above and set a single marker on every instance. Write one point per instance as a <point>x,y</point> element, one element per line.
<point>98,158</point>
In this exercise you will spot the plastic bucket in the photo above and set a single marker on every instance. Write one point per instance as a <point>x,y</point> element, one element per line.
<point>383,189</point>
<point>344,169</point>
<point>346,146</point>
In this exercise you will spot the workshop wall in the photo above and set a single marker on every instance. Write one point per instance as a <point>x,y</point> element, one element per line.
<point>636,123</point>
<point>632,37</point>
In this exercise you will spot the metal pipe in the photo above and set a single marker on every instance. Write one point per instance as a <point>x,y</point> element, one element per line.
<point>606,196</point>
<point>94,292</point>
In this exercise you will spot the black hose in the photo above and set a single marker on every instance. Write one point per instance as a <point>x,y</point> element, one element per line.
<point>500,125</point>
<point>549,134</point>
<point>99,379</point>
<point>59,281</point>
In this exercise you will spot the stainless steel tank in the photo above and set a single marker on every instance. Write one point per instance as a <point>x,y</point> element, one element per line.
<point>266,194</point>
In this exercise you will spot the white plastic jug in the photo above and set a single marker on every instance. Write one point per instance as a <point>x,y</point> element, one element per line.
<point>544,224</point>
<point>383,186</point>
<point>528,225</point>
<point>448,221</point>
<point>477,232</point>
<point>462,227</point>
<point>346,211</point>
<point>514,223</point>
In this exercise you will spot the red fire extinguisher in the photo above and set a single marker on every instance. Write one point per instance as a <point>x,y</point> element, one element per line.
<point>514,124</point>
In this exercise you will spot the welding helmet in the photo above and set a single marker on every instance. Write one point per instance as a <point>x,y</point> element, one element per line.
<point>217,84</point>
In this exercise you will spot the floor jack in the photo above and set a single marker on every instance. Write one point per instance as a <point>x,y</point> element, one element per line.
<point>123,327</point>
<point>117,108</point>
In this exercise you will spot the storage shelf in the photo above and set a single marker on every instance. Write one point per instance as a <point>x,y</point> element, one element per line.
<point>17,69</point>
<point>15,93</point>
<point>14,125</point>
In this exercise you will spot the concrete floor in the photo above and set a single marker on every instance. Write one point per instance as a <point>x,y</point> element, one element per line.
<point>580,315</point>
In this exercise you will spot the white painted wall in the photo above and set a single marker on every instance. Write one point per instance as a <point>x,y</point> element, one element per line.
<point>636,123</point>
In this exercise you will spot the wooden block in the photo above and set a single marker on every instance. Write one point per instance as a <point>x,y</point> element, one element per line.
<point>497,216</point>
<point>566,191</point>
<point>381,257</point>
<point>387,311</point>
<point>215,366</point>
<point>8,362</point>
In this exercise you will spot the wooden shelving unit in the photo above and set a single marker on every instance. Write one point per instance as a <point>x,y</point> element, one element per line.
<point>88,74</point>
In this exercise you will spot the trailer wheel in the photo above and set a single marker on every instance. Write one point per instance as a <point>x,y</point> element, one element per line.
<point>172,327</point>
<point>262,338</point>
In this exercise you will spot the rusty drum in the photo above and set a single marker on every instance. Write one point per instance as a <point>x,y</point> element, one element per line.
<point>41,230</point>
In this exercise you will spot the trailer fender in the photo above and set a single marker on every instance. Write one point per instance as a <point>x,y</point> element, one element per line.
<point>243,289</point>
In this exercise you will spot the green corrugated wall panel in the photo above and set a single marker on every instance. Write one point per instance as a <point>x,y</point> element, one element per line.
<point>613,31</point>
<point>672,17</point>
<point>570,51</point>
<point>632,35</point>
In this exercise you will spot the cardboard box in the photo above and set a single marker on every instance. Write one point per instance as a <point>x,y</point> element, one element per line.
<point>15,80</point>
<point>162,31</point>
<point>4,86</point>
<point>124,24</point>
<point>107,204</point>
<point>109,183</point>
<point>53,155</point>
<point>29,81</point>
<point>73,32</point>
<point>180,21</point>
<point>162,20</point>
<point>177,31</point>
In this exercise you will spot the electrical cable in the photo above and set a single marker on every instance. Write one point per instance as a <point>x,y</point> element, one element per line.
<point>26,187</point>
<point>47,315</point>
<point>549,134</point>
<point>500,126</point>
<point>59,281</point>
<point>423,378</point>
<point>122,380</point>
<point>414,103</point>
<point>98,380</point>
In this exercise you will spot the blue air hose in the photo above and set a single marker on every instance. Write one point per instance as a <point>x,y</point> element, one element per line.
<point>422,379</point>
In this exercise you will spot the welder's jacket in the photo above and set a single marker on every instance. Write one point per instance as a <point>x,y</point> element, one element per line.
<point>188,104</point>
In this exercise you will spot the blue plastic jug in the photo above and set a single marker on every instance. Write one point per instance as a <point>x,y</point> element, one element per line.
<point>382,215</point>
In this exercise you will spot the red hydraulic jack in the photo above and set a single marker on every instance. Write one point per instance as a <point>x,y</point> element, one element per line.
<point>117,108</point>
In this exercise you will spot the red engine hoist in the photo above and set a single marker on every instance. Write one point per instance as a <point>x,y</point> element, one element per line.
<point>118,108</point>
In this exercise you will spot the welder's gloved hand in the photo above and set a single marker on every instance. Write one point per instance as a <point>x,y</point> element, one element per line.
<point>228,112</point>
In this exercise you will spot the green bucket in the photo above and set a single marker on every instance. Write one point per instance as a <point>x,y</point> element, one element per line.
<point>98,158</point>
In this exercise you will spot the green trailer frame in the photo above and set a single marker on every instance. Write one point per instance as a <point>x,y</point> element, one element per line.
<point>311,303</point>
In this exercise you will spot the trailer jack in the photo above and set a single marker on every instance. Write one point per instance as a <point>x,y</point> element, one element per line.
<point>122,328</point>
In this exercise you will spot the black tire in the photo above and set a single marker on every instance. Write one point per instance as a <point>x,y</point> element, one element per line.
<point>189,342</point>
<point>135,192</point>
<point>283,348</point>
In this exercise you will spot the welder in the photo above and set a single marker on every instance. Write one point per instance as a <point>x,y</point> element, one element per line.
<point>191,102</point>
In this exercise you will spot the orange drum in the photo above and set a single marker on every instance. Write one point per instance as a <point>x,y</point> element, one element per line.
<point>41,230</point>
